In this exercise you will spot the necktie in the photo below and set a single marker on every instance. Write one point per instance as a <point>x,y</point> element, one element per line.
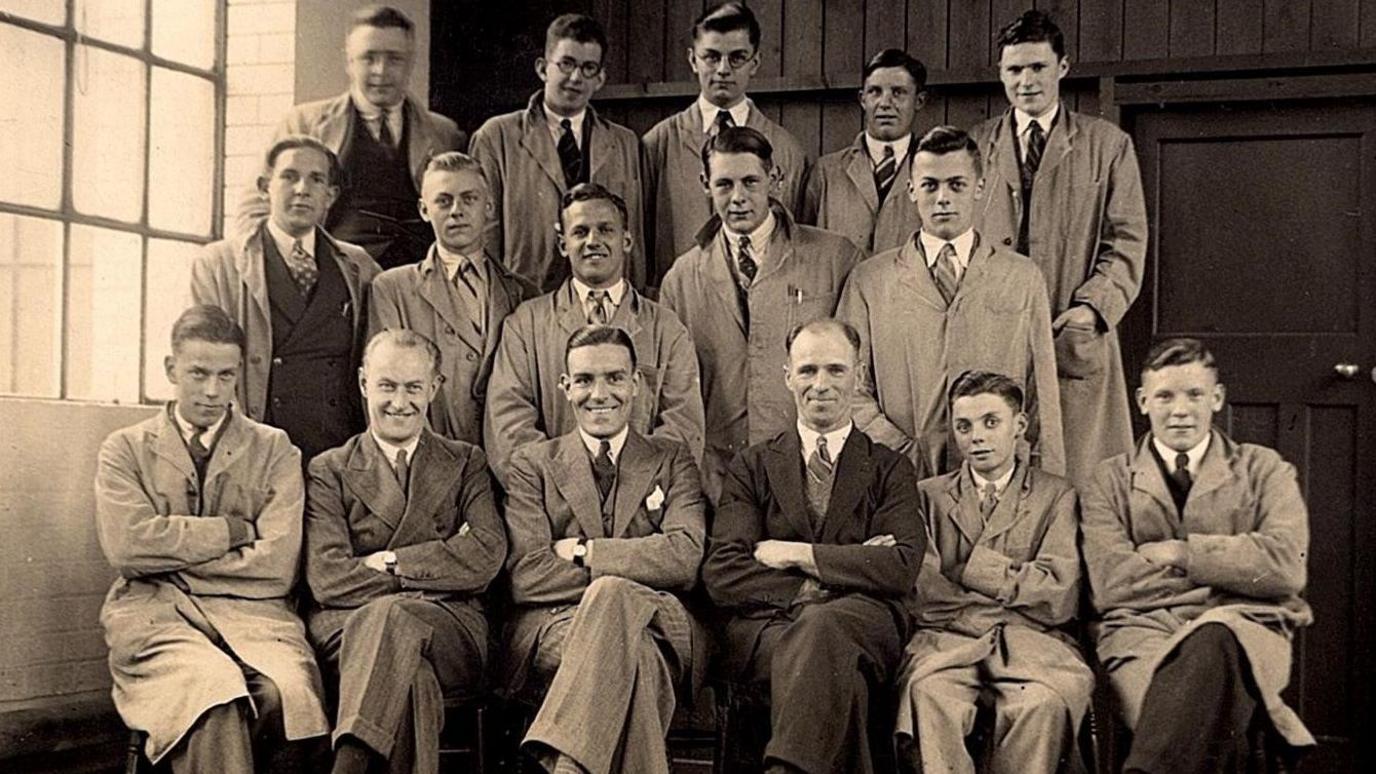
<point>989,499</point>
<point>402,468</point>
<point>200,455</point>
<point>820,475</point>
<point>597,309</point>
<point>819,464</point>
<point>885,172</point>
<point>384,131</point>
<point>569,157</point>
<point>469,283</point>
<point>1032,158</point>
<point>944,272</point>
<point>1182,472</point>
<point>724,121</point>
<point>745,259</point>
<point>301,265</point>
<point>603,469</point>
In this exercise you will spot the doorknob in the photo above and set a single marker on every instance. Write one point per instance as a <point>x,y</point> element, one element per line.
<point>1348,370</point>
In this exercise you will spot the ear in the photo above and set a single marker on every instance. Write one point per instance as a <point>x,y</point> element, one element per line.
<point>912,190</point>
<point>702,176</point>
<point>1020,423</point>
<point>363,383</point>
<point>692,60</point>
<point>1220,397</point>
<point>1141,401</point>
<point>979,188</point>
<point>263,184</point>
<point>540,65</point>
<point>1062,67</point>
<point>627,242</point>
<point>776,180</point>
<point>920,101</point>
<point>169,364</point>
<point>423,210</point>
<point>559,240</point>
<point>331,194</point>
<point>565,384</point>
<point>434,388</point>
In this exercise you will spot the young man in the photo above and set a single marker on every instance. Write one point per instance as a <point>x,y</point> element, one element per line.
<point>858,191</point>
<point>299,295</point>
<point>724,57</point>
<point>814,547</point>
<point>457,297</point>
<point>382,136</point>
<point>1064,189</point>
<point>998,586</point>
<point>945,302</point>
<point>402,538</point>
<point>1196,546</point>
<point>525,403</point>
<point>753,275</point>
<point>607,531</point>
<point>199,511</point>
<point>533,157</point>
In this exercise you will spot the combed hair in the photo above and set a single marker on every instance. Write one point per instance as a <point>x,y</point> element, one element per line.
<point>728,17</point>
<point>738,139</point>
<point>1031,27</point>
<point>207,323</point>
<point>895,57</point>
<point>971,383</point>
<point>825,324</point>
<point>588,192</point>
<point>578,28</point>
<point>404,338</point>
<point>1177,352</point>
<point>941,140</point>
<point>594,335</point>
<point>383,17</point>
<point>454,161</point>
<point>294,141</point>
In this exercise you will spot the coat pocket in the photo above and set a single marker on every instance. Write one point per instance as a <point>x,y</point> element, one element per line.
<point>1080,352</point>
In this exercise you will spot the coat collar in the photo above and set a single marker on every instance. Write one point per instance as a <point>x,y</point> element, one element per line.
<point>536,140</point>
<point>434,289</point>
<point>1215,470</point>
<point>785,229</point>
<point>166,441</point>
<point>963,497</point>
<point>572,475</point>
<point>784,468</point>
<point>913,272</point>
<point>635,471</point>
<point>336,120</point>
<point>1001,151</point>
<point>568,309</point>
<point>370,478</point>
<point>249,255</point>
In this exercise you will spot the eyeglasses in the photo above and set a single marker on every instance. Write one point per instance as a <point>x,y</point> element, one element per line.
<point>587,69</point>
<point>736,59</point>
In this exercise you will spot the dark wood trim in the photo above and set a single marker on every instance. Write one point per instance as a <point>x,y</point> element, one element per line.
<point>1251,89</point>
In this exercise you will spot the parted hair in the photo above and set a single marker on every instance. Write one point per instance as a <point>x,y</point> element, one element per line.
<point>384,17</point>
<point>576,27</point>
<point>403,338</point>
<point>940,140</point>
<point>1176,352</point>
<point>821,325</point>
<point>294,141</point>
<point>454,161</point>
<point>971,383</point>
<point>594,335</point>
<point>207,323</point>
<point>588,192</point>
<point>738,139</point>
<point>1032,27</point>
<point>896,57</point>
<point>728,17</point>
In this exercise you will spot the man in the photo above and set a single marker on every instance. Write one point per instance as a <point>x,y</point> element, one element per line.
<point>457,297</point>
<point>857,191</point>
<point>532,157</point>
<point>815,545</point>
<point>724,57</point>
<point>402,538</point>
<point>752,276</point>
<point>607,532</point>
<point>299,295</point>
<point>525,403</point>
<point>1065,190</point>
<point>999,585</point>
<point>1195,546</point>
<point>199,511</point>
<point>946,302</point>
<point>383,137</point>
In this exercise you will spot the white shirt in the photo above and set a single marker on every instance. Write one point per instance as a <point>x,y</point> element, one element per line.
<point>453,261</point>
<point>739,113</point>
<point>759,240</point>
<point>614,295</point>
<point>390,450</point>
<point>964,244</point>
<point>188,430</point>
<point>1000,484</point>
<point>1023,121</point>
<point>836,440</point>
<point>285,241</point>
<point>556,129</point>
<point>372,116</point>
<point>1195,454</point>
<point>875,147</point>
<point>617,441</point>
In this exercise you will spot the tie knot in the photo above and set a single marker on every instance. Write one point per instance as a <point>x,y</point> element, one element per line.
<point>596,296</point>
<point>724,119</point>
<point>744,243</point>
<point>1034,129</point>
<point>990,490</point>
<point>947,252</point>
<point>566,125</point>
<point>822,450</point>
<point>604,450</point>
<point>1182,461</point>
<point>297,248</point>
<point>401,458</point>
<point>888,152</point>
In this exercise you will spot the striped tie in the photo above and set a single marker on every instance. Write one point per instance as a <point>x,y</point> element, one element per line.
<point>988,501</point>
<point>597,314</point>
<point>1032,159</point>
<point>885,172</point>
<point>569,157</point>
<point>746,260</point>
<point>819,464</point>
<point>944,272</point>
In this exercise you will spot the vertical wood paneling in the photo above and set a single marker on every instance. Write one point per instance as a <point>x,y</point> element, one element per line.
<point>1285,26</point>
<point>639,117</point>
<point>1001,14</point>
<point>886,25</point>
<point>678,24</point>
<point>1191,28</point>
<point>843,38</point>
<point>802,40</point>
<point>1368,14</point>
<point>611,14</point>
<point>803,119</point>
<point>933,115</point>
<point>1088,101</point>
<point>1145,29</point>
<point>770,14</point>
<point>927,32</point>
<point>645,48</point>
<point>1066,14</point>
<point>1101,30</point>
<point>966,110</point>
<point>968,25</point>
<point>841,121</point>
<point>1335,25</point>
<point>1239,27</point>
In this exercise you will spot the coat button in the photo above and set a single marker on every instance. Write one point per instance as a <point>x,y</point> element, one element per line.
<point>277,361</point>
<point>449,329</point>
<point>1008,240</point>
<point>472,356</point>
<point>276,401</point>
<point>255,359</point>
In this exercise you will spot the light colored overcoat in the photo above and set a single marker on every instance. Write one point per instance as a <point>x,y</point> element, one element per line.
<point>840,196</point>
<point>163,532</point>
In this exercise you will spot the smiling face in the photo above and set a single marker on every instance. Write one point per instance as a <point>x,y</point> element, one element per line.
<point>1180,401</point>
<point>711,59</point>
<point>204,374</point>
<point>987,430</point>
<point>945,188</point>
<point>456,206</point>
<point>821,372</point>
<point>299,190</point>
<point>740,187</point>
<point>398,384</point>
<point>595,241</point>
<point>379,63</point>
<point>601,385</point>
<point>891,100</point>
<point>568,94</point>
<point>1031,75</point>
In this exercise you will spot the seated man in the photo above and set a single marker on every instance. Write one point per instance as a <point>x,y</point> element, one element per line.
<point>815,545</point>
<point>1000,580</point>
<point>606,530</point>
<point>199,510</point>
<point>1195,546</point>
<point>402,535</point>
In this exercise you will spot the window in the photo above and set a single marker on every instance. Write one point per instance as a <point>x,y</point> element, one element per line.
<point>110,181</point>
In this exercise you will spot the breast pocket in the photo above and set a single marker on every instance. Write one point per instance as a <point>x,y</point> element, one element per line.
<point>235,499</point>
<point>806,304</point>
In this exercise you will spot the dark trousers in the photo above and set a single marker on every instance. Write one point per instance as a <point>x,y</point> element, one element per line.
<point>233,737</point>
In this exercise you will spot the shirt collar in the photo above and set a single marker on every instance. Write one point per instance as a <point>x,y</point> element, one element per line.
<point>875,146</point>
<point>617,442</point>
<point>740,113</point>
<point>368,110</point>
<point>759,238</point>
<point>931,247</point>
<point>614,293</point>
<point>188,430</point>
<point>836,439</point>
<point>1000,484</point>
<point>284,241</point>
<point>575,123</point>
<point>1195,454</point>
<point>389,450</point>
<point>1024,120</point>
<point>452,262</point>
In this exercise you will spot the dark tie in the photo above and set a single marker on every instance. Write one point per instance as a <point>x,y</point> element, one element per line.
<point>1032,158</point>
<point>724,121</point>
<point>470,285</point>
<point>384,131</point>
<point>1182,473</point>
<point>944,272</point>
<point>301,266</point>
<point>745,259</point>
<point>597,314</point>
<point>603,469</point>
<point>885,172</point>
<point>569,157</point>
<point>988,500</point>
<point>402,467</point>
<point>200,455</point>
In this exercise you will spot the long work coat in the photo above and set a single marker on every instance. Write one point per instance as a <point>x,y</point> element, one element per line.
<point>840,196</point>
<point>522,167</point>
<point>742,363</point>
<point>677,203</point>
<point>525,403</point>
<point>421,298</point>
<point>1088,234</point>
<point>914,345</point>
<point>1247,532</point>
<point>162,531</point>
<point>230,274</point>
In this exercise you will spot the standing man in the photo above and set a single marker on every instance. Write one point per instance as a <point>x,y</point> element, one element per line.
<point>724,56</point>
<point>402,538</point>
<point>753,275</point>
<point>1064,189</point>
<point>525,402</point>
<point>382,136</point>
<point>607,530</point>
<point>299,296</point>
<point>457,297</point>
<point>533,157</point>
<point>946,302</point>
<point>1195,546</point>
<point>199,511</point>
<point>814,548</point>
<point>858,191</point>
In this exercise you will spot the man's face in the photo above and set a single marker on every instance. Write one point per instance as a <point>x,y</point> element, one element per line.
<point>1180,401</point>
<point>456,206</point>
<point>601,385</point>
<point>380,60</point>
<point>568,94</point>
<point>891,101</point>
<point>595,241</point>
<point>1031,75</point>
<point>821,374</point>
<point>740,187</point>
<point>299,189</point>
<point>397,384</point>
<point>711,58</point>
<point>987,432</point>
<point>204,374</point>
<point>945,188</point>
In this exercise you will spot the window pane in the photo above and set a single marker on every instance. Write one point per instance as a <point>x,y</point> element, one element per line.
<point>181,180</point>
<point>169,293</point>
<point>30,305</point>
<point>116,21</point>
<point>103,324</point>
<point>184,31</point>
<point>31,121</point>
<point>47,11</point>
<point>108,143</point>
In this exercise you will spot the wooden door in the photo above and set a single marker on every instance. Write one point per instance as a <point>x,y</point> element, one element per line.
<point>1263,225</point>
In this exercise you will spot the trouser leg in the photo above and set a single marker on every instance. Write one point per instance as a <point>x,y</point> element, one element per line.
<point>1031,729</point>
<point>944,708</point>
<point>220,741</point>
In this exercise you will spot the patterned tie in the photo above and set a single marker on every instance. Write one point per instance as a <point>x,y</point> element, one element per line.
<point>569,157</point>
<point>944,272</point>
<point>724,121</point>
<point>603,469</point>
<point>819,463</point>
<point>989,499</point>
<point>1032,158</point>
<point>1182,473</point>
<point>384,131</point>
<point>301,266</point>
<point>597,311</point>
<point>402,468</point>
<point>885,172</point>
<point>470,284</point>
<point>820,475</point>
<point>745,259</point>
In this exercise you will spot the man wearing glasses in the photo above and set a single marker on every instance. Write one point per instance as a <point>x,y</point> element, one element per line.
<point>724,56</point>
<point>532,157</point>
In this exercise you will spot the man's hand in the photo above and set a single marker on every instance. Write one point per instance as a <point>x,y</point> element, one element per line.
<point>781,554</point>
<point>563,548</point>
<point>1166,553</point>
<point>1079,315</point>
<point>885,540</point>
<point>376,561</point>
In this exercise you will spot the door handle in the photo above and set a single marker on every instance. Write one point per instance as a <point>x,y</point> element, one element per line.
<point>1349,370</point>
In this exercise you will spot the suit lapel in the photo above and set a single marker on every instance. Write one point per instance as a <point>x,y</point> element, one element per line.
<point>784,468</point>
<point>333,125</point>
<point>627,316</point>
<point>861,173</point>
<point>372,481</point>
<point>689,129</point>
<point>229,449</point>
<point>962,509</point>
<point>1147,478</point>
<point>848,485</point>
<point>433,475</point>
<point>166,442</point>
<point>635,470</point>
<point>434,289</point>
<point>251,266</point>
<point>1002,156</point>
<point>573,478</point>
<point>598,146</point>
<point>418,147</point>
<point>537,143</point>
<point>1059,142</point>
<point>917,277</point>
<point>1215,471</point>
<point>1010,507</point>
<point>568,308</point>
<point>721,283</point>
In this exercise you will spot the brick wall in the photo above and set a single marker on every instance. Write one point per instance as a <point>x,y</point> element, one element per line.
<point>261,76</point>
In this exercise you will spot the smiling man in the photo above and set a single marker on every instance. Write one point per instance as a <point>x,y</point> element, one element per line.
<point>299,296</point>
<point>947,301</point>
<point>525,402</point>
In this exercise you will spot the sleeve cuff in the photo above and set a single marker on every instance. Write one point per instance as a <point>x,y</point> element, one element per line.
<point>240,532</point>
<point>987,572</point>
